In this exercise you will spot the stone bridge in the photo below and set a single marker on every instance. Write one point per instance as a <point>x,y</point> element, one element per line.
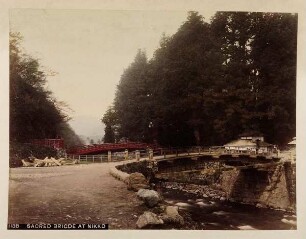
<point>254,179</point>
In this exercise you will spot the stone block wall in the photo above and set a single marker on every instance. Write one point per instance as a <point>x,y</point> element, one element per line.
<point>269,186</point>
<point>207,172</point>
<point>273,187</point>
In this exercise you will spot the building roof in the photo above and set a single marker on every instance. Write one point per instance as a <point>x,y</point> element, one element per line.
<point>241,142</point>
<point>247,143</point>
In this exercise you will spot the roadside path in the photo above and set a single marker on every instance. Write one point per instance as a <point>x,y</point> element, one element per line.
<point>72,194</point>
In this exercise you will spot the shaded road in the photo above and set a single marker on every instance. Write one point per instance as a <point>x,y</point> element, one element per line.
<point>71,194</point>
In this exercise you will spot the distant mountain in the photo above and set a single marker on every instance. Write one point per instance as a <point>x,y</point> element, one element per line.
<point>97,139</point>
<point>88,128</point>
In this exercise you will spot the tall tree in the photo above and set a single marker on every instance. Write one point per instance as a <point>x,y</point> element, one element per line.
<point>208,83</point>
<point>274,52</point>
<point>259,68</point>
<point>131,102</point>
<point>186,65</point>
<point>110,120</point>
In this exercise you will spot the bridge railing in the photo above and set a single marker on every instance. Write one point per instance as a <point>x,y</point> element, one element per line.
<point>171,152</point>
<point>162,153</point>
<point>89,158</point>
<point>212,150</point>
<point>91,149</point>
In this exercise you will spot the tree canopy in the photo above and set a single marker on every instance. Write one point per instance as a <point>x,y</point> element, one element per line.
<point>34,112</point>
<point>210,82</point>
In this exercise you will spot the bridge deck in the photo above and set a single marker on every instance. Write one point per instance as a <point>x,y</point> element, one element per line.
<point>217,156</point>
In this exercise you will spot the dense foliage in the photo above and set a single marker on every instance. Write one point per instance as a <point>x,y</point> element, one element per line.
<point>210,82</point>
<point>110,121</point>
<point>34,113</point>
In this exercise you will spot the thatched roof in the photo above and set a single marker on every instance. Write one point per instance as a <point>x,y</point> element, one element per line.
<point>240,143</point>
<point>247,143</point>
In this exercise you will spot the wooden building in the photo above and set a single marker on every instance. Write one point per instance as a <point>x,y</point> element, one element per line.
<point>253,144</point>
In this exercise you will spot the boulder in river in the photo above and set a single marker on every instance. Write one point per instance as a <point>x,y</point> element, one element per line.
<point>150,197</point>
<point>137,181</point>
<point>148,220</point>
<point>172,215</point>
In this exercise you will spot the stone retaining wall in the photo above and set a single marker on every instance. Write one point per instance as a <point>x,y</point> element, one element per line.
<point>274,187</point>
<point>122,176</point>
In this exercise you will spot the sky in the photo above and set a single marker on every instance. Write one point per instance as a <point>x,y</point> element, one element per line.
<point>88,50</point>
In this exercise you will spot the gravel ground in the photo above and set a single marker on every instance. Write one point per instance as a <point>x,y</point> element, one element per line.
<point>72,194</point>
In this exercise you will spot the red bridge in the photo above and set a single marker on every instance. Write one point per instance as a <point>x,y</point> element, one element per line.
<point>103,148</point>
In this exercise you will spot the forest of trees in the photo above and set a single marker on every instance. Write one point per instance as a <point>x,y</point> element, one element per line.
<point>210,82</point>
<point>34,112</point>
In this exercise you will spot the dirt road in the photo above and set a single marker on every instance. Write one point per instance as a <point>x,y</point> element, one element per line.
<point>71,194</point>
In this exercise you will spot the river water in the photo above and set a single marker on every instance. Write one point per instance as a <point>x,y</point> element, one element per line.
<point>213,214</point>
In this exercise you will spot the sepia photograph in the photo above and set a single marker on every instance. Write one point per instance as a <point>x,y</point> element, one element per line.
<point>152,119</point>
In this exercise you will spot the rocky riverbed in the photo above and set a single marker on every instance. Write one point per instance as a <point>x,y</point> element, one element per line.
<point>208,209</point>
<point>204,191</point>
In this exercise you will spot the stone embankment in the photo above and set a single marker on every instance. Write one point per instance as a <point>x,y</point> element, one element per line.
<point>273,187</point>
<point>122,176</point>
<point>159,214</point>
<point>270,184</point>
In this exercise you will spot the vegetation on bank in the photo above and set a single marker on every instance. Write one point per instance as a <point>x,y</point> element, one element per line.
<point>34,112</point>
<point>210,82</point>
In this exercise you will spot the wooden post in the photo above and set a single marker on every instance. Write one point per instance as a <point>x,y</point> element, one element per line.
<point>101,158</point>
<point>137,155</point>
<point>150,154</point>
<point>79,158</point>
<point>109,156</point>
